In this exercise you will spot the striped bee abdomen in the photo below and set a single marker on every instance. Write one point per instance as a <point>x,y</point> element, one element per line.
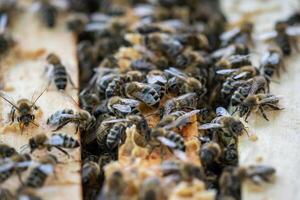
<point>60,77</point>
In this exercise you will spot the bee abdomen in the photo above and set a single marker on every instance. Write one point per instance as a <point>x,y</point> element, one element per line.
<point>36,179</point>
<point>114,136</point>
<point>178,139</point>
<point>60,77</point>
<point>69,142</point>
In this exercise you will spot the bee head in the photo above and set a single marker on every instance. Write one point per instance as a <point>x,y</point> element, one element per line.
<point>237,127</point>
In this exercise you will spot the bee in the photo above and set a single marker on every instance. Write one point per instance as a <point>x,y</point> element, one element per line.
<point>232,177</point>
<point>271,63</point>
<point>23,110</point>
<point>181,171</point>
<point>168,138</point>
<point>57,72</point>
<point>17,163</point>
<point>143,92</point>
<point>102,132</point>
<point>234,49</point>
<point>233,61</point>
<point>210,154</point>
<point>7,151</point>
<point>230,126</point>
<point>56,140</point>
<point>186,101</point>
<point>5,194</point>
<point>76,22</point>
<point>48,13</point>
<point>82,118</point>
<point>151,189</point>
<point>242,35</point>
<point>90,173</point>
<point>230,154</point>
<point>244,72</point>
<point>39,174</point>
<point>157,77</point>
<point>251,86</point>
<point>196,41</point>
<point>114,186</point>
<point>284,36</point>
<point>258,102</point>
<point>168,119</point>
<point>122,106</point>
<point>88,100</point>
<point>116,134</point>
<point>142,65</point>
<point>185,83</point>
<point>230,85</point>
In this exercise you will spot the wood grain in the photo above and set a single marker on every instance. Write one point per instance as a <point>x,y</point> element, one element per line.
<point>23,76</point>
<point>278,139</point>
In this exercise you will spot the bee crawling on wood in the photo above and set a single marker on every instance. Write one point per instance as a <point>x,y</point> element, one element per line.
<point>56,140</point>
<point>23,110</point>
<point>258,102</point>
<point>56,71</point>
<point>83,119</point>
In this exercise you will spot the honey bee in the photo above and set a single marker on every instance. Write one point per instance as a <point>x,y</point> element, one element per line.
<point>242,35</point>
<point>157,77</point>
<point>57,72</point>
<point>82,118</point>
<point>196,41</point>
<point>143,92</point>
<point>5,194</point>
<point>116,134</point>
<point>258,102</point>
<point>233,61</point>
<point>244,72</point>
<point>90,173</point>
<point>232,177</point>
<point>6,151</point>
<point>48,13</point>
<point>17,163</point>
<point>181,171</point>
<point>234,49</point>
<point>151,189</point>
<point>271,63</point>
<point>76,22</point>
<point>230,126</point>
<point>39,174</point>
<point>230,85</point>
<point>251,86</point>
<point>230,154</point>
<point>186,101</point>
<point>114,186</point>
<point>122,106</point>
<point>56,140</point>
<point>187,84</point>
<point>23,110</point>
<point>210,153</point>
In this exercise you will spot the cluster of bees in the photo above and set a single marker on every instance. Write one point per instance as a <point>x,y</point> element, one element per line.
<point>154,66</point>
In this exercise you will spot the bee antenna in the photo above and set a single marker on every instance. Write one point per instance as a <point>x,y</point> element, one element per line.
<point>246,131</point>
<point>33,103</point>
<point>2,95</point>
<point>69,96</point>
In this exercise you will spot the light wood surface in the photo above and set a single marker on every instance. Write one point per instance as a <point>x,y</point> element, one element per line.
<point>278,140</point>
<point>23,76</point>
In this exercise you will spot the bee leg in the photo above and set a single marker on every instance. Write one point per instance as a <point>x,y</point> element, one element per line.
<point>61,126</point>
<point>71,82</point>
<point>12,113</point>
<point>247,115</point>
<point>19,177</point>
<point>63,151</point>
<point>77,128</point>
<point>274,107</point>
<point>263,113</point>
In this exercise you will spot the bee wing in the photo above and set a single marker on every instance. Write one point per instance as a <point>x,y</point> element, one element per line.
<point>122,108</point>
<point>3,23</point>
<point>151,79</point>
<point>226,71</point>
<point>130,102</point>
<point>115,121</point>
<point>229,34</point>
<point>266,36</point>
<point>210,126</point>
<point>270,99</point>
<point>166,141</point>
<point>182,120</point>
<point>8,99</point>
<point>241,75</point>
<point>60,4</point>
<point>224,52</point>
<point>265,58</point>
<point>176,73</point>
<point>293,30</point>
<point>46,168</point>
<point>55,140</point>
<point>255,86</point>
<point>6,165</point>
<point>25,164</point>
<point>180,155</point>
<point>92,27</point>
<point>220,111</point>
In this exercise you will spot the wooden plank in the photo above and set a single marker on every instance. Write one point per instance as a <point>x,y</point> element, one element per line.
<point>278,139</point>
<point>23,75</point>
